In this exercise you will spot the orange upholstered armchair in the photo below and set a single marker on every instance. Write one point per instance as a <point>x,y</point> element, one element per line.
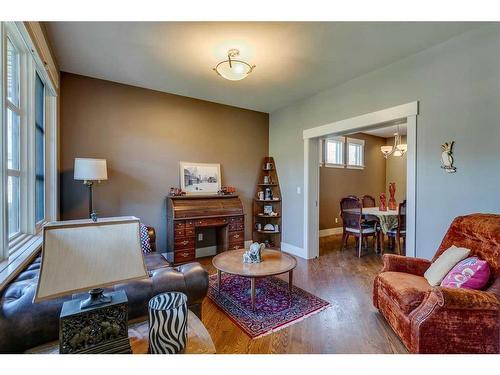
<point>444,320</point>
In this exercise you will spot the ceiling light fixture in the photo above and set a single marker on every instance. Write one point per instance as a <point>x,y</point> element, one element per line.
<point>399,149</point>
<point>233,69</point>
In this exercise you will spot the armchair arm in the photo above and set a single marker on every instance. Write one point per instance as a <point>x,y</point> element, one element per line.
<point>456,321</point>
<point>399,263</point>
<point>465,299</point>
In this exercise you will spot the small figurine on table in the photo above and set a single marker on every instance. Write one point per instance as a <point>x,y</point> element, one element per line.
<point>253,254</point>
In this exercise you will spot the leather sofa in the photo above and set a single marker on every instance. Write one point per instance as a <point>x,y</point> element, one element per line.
<point>24,324</point>
<point>444,320</point>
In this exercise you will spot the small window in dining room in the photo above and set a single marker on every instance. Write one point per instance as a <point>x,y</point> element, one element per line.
<point>355,153</point>
<point>333,153</point>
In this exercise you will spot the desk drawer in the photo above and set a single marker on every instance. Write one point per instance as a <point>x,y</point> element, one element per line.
<point>236,245</point>
<point>236,227</point>
<point>179,232</point>
<point>210,222</point>
<point>184,243</point>
<point>179,225</point>
<point>236,219</point>
<point>236,237</point>
<point>184,256</point>
<point>190,231</point>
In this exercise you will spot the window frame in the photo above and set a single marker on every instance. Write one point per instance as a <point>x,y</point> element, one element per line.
<point>30,65</point>
<point>324,151</point>
<point>357,142</point>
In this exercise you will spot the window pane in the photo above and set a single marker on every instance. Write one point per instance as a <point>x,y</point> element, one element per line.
<point>12,140</point>
<point>12,73</point>
<point>333,152</point>
<point>39,150</point>
<point>13,193</point>
<point>355,154</point>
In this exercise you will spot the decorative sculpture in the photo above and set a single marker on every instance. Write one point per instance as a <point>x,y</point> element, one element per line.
<point>392,192</point>
<point>253,254</point>
<point>447,158</point>
<point>383,203</point>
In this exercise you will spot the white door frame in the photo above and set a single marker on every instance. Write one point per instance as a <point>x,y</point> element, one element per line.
<point>359,123</point>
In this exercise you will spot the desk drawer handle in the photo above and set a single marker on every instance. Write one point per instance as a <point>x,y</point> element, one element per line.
<point>185,242</point>
<point>236,236</point>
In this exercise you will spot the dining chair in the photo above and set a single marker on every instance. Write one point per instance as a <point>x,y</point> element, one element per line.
<point>399,232</point>
<point>352,224</point>
<point>368,201</point>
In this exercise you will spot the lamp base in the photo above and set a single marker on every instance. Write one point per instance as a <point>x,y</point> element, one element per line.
<point>96,298</point>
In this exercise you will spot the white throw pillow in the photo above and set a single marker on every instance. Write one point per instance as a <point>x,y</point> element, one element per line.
<point>442,265</point>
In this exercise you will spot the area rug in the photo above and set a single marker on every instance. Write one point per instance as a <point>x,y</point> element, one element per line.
<point>274,307</point>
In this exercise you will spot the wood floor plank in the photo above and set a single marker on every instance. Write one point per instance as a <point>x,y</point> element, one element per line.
<point>350,325</point>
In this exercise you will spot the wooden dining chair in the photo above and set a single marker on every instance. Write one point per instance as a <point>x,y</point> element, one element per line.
<point>353,225</point>
<point>399,232</point>
<point>368,201</point>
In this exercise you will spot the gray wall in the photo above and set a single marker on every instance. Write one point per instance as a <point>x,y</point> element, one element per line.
<point>144,134</point>
<point>457,84</point>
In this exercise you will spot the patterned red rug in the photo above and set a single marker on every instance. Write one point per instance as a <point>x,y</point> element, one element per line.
<point>274,309</point>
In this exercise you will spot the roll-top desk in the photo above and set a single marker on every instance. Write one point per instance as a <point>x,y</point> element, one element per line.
<point>186,213</point>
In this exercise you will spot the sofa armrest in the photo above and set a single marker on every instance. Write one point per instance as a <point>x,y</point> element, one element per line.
<point>465,299</point>
<point>399,263</point>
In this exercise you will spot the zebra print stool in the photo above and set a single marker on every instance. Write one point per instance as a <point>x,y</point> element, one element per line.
<point>168,323</point>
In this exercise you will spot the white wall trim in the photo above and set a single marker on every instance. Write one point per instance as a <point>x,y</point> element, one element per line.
<point>330,231</point>
<point>248,243</point>
<point>311,170</point>
<point>294,250</point>
<point>363,121</point>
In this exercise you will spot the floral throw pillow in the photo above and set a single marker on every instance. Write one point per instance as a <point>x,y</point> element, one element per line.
<point>470,273</point>
<point>145,245</point>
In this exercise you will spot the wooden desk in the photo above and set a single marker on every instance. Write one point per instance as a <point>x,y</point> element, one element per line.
<point>186,213</point>
<point>199,340</point>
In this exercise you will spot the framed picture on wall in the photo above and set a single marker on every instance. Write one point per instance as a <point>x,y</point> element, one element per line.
<point>200,178</point>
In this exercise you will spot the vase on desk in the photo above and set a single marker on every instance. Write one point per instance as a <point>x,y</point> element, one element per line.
<point>392,199</point>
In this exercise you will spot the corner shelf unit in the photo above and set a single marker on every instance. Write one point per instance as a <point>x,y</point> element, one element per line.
<point>272,186</point>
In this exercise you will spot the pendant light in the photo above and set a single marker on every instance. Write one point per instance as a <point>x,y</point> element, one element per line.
<point>233,69</point>
<point>399,149</point>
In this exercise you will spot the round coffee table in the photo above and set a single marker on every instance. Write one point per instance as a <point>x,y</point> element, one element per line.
<point>273,263</point>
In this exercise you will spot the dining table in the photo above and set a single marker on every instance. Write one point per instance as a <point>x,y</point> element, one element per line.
<point>388,219</point>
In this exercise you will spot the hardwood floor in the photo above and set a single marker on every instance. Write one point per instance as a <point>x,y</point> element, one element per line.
<point>350,325</point>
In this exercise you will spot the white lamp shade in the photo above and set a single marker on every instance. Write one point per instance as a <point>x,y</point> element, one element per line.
<point>90,169</point>
<point>79,255</point>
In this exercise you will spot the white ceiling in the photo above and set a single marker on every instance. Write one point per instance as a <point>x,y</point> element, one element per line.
<point>294,59</point>
<point>387,131</point>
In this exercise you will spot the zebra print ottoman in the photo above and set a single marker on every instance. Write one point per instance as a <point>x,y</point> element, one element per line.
<point>168,323</point>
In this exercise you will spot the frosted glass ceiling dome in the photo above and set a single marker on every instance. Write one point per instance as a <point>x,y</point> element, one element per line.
<point>233,69</point>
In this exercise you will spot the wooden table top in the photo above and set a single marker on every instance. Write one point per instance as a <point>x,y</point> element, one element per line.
<point>273,263</point>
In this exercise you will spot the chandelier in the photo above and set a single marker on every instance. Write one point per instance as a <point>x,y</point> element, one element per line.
<point>399,148</point>
<point>233,69</point>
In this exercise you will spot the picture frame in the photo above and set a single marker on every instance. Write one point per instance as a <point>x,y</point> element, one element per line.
<point>200,178</point>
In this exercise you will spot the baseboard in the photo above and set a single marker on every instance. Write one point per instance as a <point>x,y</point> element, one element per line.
<point>330,231</point>
<point>294,250</point>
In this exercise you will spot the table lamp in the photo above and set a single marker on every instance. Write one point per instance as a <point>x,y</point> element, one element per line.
<point>82,255</point>
<point>90,171</point>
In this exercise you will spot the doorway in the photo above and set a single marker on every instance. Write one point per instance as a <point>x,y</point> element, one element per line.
<point>405,112</point>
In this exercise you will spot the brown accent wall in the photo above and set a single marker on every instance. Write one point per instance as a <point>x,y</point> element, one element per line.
<point>336,183</point>
<point>395,171</point>
<point>144,134</point>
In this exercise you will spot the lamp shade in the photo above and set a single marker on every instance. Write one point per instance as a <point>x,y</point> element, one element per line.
<point>90,169</point>
<point>79,255</point>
